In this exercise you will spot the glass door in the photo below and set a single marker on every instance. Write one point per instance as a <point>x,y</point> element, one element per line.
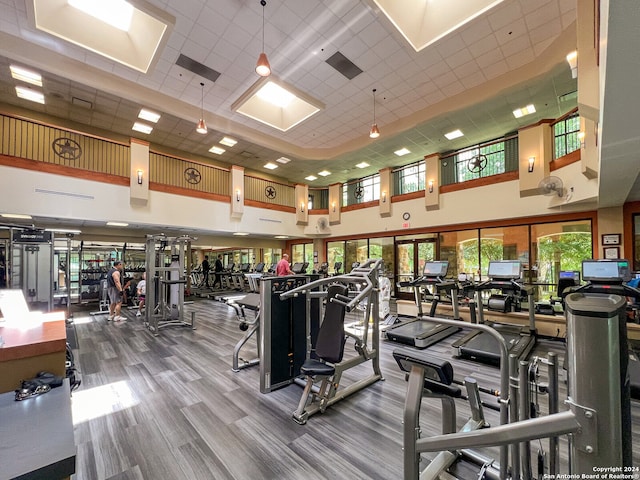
<point>411,256</point>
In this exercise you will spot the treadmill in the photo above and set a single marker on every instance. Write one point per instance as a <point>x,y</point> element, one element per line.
<point>504,275</point>
<point>418,332</point>
<point>607,277</point>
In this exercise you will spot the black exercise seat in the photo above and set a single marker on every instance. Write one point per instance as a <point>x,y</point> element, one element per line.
<point>331,338</point>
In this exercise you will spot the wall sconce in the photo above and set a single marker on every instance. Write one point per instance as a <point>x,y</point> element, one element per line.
<point>572,59</point>
<point>384,197</point>
<point>139,177</point>
<point>333,206</point>
<point>237,195</point>
<point>430,186</point>
<point>581,136</point>
<point>302,207</point>
<point>532,161</point>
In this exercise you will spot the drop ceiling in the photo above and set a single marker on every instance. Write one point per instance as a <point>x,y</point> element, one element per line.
<point>473,78</point>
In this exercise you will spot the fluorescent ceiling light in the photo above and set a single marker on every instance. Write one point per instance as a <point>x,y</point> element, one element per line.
<point>281,237</point>
<point>142,128</point>
<point>311,178</point>
<point>25,75</point>
<point>217,150</point>
<point>28,94</point>
<point>241,234</point>
<point>18,216</point>
<point>283,160</point>
<point>149,116</point>
<point>116,13</point>
<point>324,173</point>
<point>454,134</point>
<point>117,224</point>
<point>62,230</point>
<point>133,38</point>
<point>362,165</point>
<point>425,22</point>
<point>276,103</point>
<point>229,142</point>
<point>271,166</point>
<point>402,151</point>
<point>521,112</point>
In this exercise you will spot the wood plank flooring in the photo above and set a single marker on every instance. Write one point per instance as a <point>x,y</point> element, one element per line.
<point>169,407</point>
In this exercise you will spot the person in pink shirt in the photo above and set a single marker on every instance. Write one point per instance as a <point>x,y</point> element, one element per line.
<point>282,268</point>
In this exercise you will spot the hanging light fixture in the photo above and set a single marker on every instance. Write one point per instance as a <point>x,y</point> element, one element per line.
<point>262,67</point>
<point>374,132</point>
<point>202,126</point>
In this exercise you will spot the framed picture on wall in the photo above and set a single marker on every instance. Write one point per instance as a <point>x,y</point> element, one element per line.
<point>611,239</point>
<point>611,252</point>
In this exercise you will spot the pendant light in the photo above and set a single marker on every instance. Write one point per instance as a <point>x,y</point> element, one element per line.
<point>374,132</point>
<point>202,126</point>
<point>262,66</point>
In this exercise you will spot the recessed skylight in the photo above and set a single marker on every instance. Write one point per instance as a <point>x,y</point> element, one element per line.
<point>229,142</point>
<point>17,216</point>
<point>217,150</point>
<point>521,112</point>
<point>454,134</point>
<point>362,165</point>
<point>25,75</point>
<point>29,94</point>
<point>402,151</point>
<point>311,178</point>
<point>324,173</point>
<point>149,116</point>
<point>271,166</point>
<point>129,34</point>
<point>117,224</point>
<point>117,13</point>
<point>277,104</point>
<point>283,160</point>
<point>142,128</point>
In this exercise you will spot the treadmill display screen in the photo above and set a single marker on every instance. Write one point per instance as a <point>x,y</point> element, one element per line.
<point>435,269</point>
<point>571,274</point>
<point>605,270</point>
<point>505,270</point>
<point>297,267</point>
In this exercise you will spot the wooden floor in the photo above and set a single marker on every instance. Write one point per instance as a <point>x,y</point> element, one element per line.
<point>169,407</point>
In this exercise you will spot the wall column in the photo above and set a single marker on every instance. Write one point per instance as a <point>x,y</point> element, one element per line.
<point>237,191</point>
<point>139,174</point>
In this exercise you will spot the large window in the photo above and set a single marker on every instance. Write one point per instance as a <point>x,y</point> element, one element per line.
<point>364,190</point>
<point>409,178</point>
<point>565,136</point>
<point>335,255</point>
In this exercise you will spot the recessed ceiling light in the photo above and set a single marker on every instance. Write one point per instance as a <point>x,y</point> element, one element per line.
<point>16,216</point>
<point>283,160</point>
<point>142,128</point>
<point>402,151</point>
<point>281,237</point>
<point>521,112</point>
<point>117,13</point>
<point>311,178</point>
<point>31,95</point>
<point>148,115</point>
<point>454,134</point>
<point>229,142</point>
<point>362,165</point>
<point>271,166</point>
<point>117,224</point>
<point>241,234</point>
<point>324,173</point>
<point>217,150</point>
<point>25,75</point>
